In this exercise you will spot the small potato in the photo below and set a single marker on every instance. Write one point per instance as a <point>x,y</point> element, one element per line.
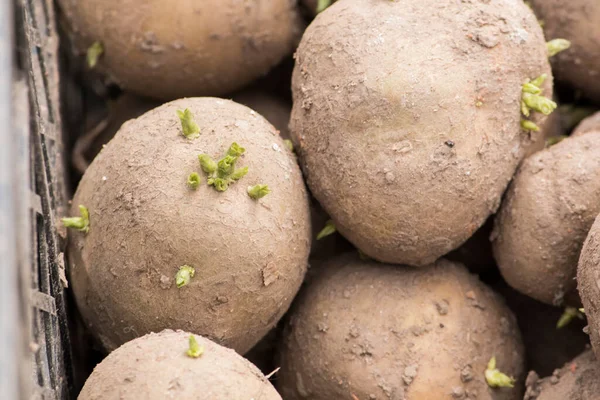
<point>588,283</point>
<point>406,117</point>
<point>577,380</point>
<point>545,217</point>
<point>171,49</point>
<point>579,22</point>
<point>156,367</point>
<point>589,124</point>
<point>249,256</point>
<point>366,330</point>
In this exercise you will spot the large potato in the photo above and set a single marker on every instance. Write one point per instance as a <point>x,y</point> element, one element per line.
<point>249,256</point>
<point>376,331</point>
<point>579,22</point>
<point>588,278</point>
<point>545,218</point>
<point>577,380</point>
<point>156,367</point>
<point>406,117</point>
<point>171,49</point>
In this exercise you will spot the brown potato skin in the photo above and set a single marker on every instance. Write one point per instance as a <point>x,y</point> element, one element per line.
<point>250,256</point>
<point>387,124</point>
<point>545,217</point>
<point>588,283</point>
<point>178,48</point>
<point>577,380</point>
<point>579,22</point>
<point>589,124</point>
<point>156,367</point>
<point>360,327</point>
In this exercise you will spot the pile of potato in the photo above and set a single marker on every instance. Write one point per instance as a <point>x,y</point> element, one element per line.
<point>444,243</point>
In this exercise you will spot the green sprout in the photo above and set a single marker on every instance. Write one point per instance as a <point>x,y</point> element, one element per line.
<point>328,229</point>
<point>258,191</point>
<point>551,141</point>
<point>235,150</point>
<point>529,125</point>
<point>194,180</point>
<point>184,275</point>
<point>239,173</point>
<point>582,310</point>
<point>82,223</point>
<point>207,163</point>
<point>495,378</point>
<point>93,54</point>
<point>322,5</point>
<point>532,99</point>
<point>190,128</point>
<point>567,316</point>
<point>288,143</point>
<point>555,46</point>
<point>226,166</point>
<point>223,173</point>
<point>194,350</point>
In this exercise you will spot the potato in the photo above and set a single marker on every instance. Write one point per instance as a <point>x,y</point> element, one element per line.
<point>577,380</point>
<point>249,255</point>
<point>579,22</point>
<point>374,331</point>
<point>406,117</point>
<point>183,48</point>
<point>589,124</point>
<point>545,217</point>
<point>588,283</point>
<point>156,366</point>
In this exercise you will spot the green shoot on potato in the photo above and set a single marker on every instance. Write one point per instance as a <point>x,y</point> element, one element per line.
<point>189,127</point>
<point>93,54</point>
<point>194,350</point>
<point>495,378</point>
<point>258,191</point>
<point>289,144</point>
<point>554,140</point>
<point>194,180</point>
<point>184,275</point>
<point>532,99</point>
<point>81,223</point>
<point>555,46</point>
<point>567,316</point>
<point>328,229</point>
<point>322,5</point>
<point>529,125</point>
<point>223,173</point>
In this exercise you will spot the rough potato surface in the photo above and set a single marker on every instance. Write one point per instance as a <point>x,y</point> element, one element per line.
<point>588,283</point>
<point>406,117</point>
<point>577,380</point>
<point>249,256</point>
<point>156,367</point>
<point>378,331</point>
<point>545,218</point>
<point>177,48</point>
<point>579,22</point>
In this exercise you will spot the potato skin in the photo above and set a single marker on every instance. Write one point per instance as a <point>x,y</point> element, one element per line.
<point>378,331</point>
<point>577,380</point>
<point>250,256</point>
<point>545,217</point>
<point>589,124</point>
<point>387,124</point>
<point>588,283</point>
<point>155,367</point>
<point>579,22</point>
<point>180,48</point>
